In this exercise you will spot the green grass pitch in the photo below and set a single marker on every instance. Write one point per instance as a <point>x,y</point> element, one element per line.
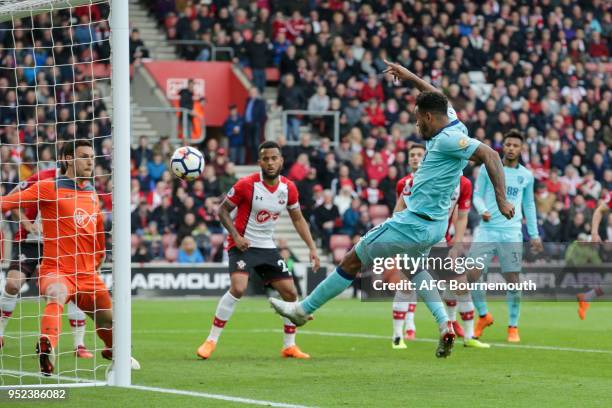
<point>353,363</point>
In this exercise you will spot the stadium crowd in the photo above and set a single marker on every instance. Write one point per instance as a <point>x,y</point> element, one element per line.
<point>542,67</point>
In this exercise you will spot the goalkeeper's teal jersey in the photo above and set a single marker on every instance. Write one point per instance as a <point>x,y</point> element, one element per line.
<point>438,175</point>
<point>519,191</point>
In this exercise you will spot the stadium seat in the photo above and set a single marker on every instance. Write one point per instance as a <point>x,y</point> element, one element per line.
<point>339,241</point>
<point>378,211</point>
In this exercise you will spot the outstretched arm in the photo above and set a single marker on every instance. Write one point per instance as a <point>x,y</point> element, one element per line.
<point>28,197</point>
<point>489,157</point>
<point>404,74</point>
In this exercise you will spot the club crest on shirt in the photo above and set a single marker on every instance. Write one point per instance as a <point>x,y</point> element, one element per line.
<point>82,218</point>
<point>463,142</point>
<point>282,197</point>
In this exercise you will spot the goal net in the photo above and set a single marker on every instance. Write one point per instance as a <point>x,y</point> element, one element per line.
<point>55,90</point>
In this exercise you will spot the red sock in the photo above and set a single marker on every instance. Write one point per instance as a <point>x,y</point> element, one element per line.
<point>106,334</point>
<point>50,322</point>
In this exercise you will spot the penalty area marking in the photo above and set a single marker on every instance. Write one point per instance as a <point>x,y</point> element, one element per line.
<point>215,396</point>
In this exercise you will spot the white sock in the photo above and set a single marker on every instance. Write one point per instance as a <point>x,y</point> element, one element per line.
<point>76,317</point>
<point>593,293</point>
<point>7,306</point>
<point>450,300</point>
<point>466,310</point>
<point>400,308</point>
<point>289,337</point>
<point>224,311</point>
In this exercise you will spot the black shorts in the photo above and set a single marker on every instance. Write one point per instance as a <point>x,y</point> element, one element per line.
<point>25,257</point>
<point>266,262</point>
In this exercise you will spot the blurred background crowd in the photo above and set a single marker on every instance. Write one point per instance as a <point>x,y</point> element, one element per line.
<point>540,66</point>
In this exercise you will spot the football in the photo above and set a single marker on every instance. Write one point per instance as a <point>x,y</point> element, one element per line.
<point>187,163</point>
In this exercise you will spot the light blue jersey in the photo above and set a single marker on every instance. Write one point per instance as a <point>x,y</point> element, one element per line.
<point>519,191</point>
<point>438,175</point>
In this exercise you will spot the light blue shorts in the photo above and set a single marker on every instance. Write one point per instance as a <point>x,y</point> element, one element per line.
<point>404,233</point>
<point>506,244</point>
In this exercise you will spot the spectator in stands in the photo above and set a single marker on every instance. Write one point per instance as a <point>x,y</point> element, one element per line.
<point>291,97</point>
<point>188,252</point>
<point>166,216</point>
<point>142,154</point>
<point>228,178</point>
<point>212,186</point>
<point>300,168</point>
<point>326,216</point>
<point>137,47</point>
<point>234,130</point>
<point>254,121</point>
<point>142,255</point>
<point>186,96</point>
<point>156,167</point>
<point>258,55</point>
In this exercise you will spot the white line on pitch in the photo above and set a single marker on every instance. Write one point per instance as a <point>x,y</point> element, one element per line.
<point>377,337</point>
<point>216,396</point>
<point>373,336</point>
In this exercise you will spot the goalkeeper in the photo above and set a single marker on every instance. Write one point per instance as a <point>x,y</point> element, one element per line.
<point>27,247</point>
<point>73,250</point>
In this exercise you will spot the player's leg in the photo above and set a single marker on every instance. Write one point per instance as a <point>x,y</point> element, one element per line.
<point>585,298</point>
<point>8,298</point>
<point>510,259</point>
<point>401,304</point>
<point>335,283</point>
<point>56,291</point>
<point>239,280</point>
<point>466,311</point>
<point>513,300</point>
<point>481,252</point>
<point>450,301</point>
<point>76,318</point>
<point>409,325</point>
<point>94,299</point>
<point>287,291</point>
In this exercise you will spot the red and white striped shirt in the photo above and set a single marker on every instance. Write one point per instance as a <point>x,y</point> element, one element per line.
<point>258,207</point>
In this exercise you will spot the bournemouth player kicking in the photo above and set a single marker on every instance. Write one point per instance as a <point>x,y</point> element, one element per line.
<point>250,213</point>
<point>404,304</point>
<point>585,298</point>
<point>73,251</point>
<point>27,247</point>
<point>424,220</point>
<point>497,235</point>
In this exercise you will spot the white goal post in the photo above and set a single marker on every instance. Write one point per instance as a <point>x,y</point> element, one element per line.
<point>120,368</point>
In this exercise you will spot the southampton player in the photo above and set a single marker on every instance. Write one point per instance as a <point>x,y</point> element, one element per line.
<point>250,213</point>
<point>499,236</point>
<point>404,303</point>
<point>584,298</point>
<point>423,223</point>
<point>73,251</point>
<point>26,257</point>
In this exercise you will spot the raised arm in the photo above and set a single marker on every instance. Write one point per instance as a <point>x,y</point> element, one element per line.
<point>489,157</point>
<point>404,74</point>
